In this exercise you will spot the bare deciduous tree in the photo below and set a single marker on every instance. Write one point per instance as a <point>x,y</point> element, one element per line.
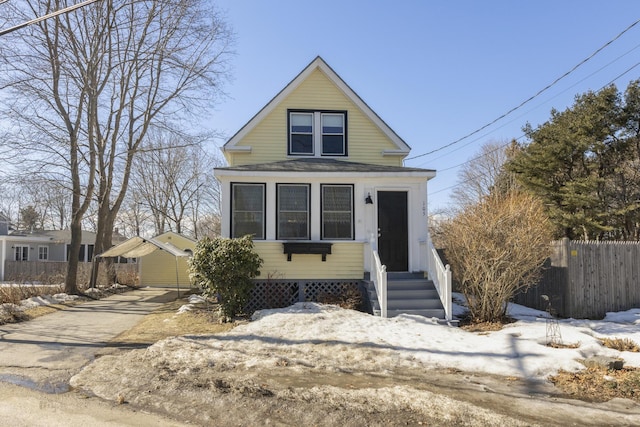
<point>483,174</point>
<point>90,84</point>
<point>174,182</point>
<point>496,248</point>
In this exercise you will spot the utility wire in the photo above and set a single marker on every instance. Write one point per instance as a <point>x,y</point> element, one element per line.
<point>628,70</point>
<point>532,97</point>
<point>539,105</point>
<point>47,16</point>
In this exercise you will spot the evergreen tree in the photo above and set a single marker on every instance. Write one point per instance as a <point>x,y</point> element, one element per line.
<point>584,165</point>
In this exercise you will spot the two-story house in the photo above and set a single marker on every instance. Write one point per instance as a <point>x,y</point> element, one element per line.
<point>317,178</point>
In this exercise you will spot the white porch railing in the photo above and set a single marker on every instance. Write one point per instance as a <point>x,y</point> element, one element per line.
<point>378,276</point>
<point>440,274</point>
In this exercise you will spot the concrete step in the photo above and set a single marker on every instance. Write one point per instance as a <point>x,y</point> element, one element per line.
<point>394,275</point>
<point>409,303</point>
<point>437,313</point>
<point>399,294</point>
<point>406,284</point>
<point>412,294</point>
<point>408,293</point>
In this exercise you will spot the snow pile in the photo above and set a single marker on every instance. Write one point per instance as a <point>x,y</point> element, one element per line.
<point>315,336</point>
<point>193,301</point>
<point>630,316</point>
<point>47,300</point>
<point>98,292</point>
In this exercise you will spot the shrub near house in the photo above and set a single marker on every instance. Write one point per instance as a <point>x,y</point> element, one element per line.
<point>496,248</point>
<point>224,268</point>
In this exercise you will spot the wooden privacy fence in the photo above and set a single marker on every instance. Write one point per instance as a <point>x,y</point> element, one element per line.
<point>54,271</point>
<point>587,279</point>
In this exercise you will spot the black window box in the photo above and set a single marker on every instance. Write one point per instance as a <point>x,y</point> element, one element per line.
<point>319,248</point>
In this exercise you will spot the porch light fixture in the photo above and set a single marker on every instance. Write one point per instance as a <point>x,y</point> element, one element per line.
<point>368,200</point>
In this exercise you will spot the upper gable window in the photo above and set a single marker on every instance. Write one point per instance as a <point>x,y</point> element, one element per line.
<point>317,133</point>
<point>301,133</point>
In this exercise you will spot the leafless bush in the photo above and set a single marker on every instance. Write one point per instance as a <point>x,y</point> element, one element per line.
<point>348,297</point>
<point>127,277</point>
<point>496,248</point>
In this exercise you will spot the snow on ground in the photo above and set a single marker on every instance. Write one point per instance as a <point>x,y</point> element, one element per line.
<point>47,300</point>
<point>42,300</point>
<point>310,335</point>
<point>194,300</point>
<point>38,301</point>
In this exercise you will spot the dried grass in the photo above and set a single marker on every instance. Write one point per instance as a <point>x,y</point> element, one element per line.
<point>599,384</point>
<point>349,298</point>
<point>621,344</point>
<point>166,322</point>
<point>15,294</point>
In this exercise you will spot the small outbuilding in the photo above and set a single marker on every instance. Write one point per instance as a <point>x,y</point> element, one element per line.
<point>162,260</point>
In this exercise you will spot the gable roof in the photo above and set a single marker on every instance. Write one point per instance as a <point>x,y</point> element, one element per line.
<point>317,64</point>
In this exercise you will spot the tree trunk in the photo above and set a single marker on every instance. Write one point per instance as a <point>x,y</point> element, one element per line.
<point>71,279</point>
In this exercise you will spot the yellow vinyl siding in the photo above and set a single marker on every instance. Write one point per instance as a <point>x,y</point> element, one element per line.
<point>268,140</point>
<point>346,261</point>
<point>159,267</point>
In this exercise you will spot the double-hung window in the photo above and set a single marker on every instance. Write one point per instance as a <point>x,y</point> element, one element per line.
<point>43,253</point>
<point>317,133</point>
<point>293,211</point>
<point>247,210</point>
<point>301,133</point>
<point>21,253</point>
<point>333,140</point>
<point>337,211</point>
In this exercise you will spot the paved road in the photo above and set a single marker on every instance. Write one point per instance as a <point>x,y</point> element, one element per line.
<point>46,352</point>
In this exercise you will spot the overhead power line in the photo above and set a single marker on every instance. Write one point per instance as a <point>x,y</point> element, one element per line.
<point>47,16</point>
<point>532,97</point>
<point>457,184</point>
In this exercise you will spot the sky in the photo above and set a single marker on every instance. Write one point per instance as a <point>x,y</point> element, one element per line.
<point>435,71</point>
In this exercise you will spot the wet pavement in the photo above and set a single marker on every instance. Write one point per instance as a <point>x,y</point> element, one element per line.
<point>44,353</point>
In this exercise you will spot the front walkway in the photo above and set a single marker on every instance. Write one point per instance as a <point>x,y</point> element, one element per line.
<point>44,353</point>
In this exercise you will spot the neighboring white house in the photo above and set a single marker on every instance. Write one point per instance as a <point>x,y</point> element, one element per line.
<point>43,246</point>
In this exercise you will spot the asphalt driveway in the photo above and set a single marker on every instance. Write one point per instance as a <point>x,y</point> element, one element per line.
<point>44,353</point>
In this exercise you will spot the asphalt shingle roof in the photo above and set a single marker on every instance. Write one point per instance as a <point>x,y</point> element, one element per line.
<point>321,165</point>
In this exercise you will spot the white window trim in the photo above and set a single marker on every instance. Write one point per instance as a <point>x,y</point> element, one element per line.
<point>278,212</point>
<point>46,248</point>
<point>352,211</point>
<point>313,133</point>
<point>264,207</point>
<point>343,134</point>
<point>22,249</point>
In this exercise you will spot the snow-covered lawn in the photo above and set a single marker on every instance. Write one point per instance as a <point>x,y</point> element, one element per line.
<point>314,364</point>
<point>310,335</point>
